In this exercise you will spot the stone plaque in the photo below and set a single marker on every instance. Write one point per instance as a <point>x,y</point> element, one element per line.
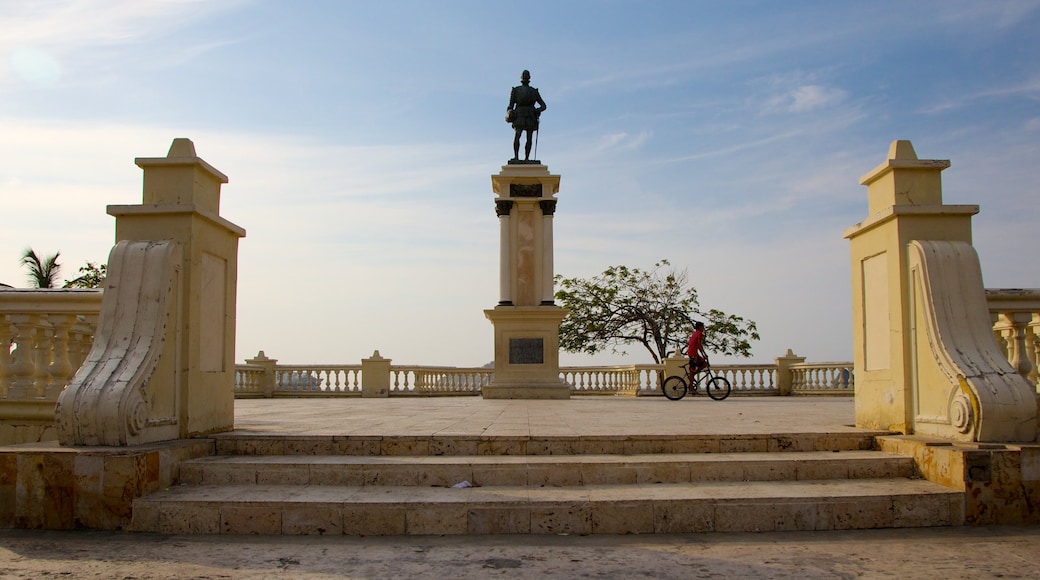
<point>526,351</point>
<point>525,190</point>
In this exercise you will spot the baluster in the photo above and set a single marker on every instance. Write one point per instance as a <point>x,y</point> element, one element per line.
<point>5,355</point>
<point>61,368</point>
<point>1033,350</point>
<point>1017,356</point>
<point>23,365</point>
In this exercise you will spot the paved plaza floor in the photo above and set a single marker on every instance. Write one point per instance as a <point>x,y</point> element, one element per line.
<point>575,417</point>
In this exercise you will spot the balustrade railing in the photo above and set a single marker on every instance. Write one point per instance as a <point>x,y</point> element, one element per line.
<point>46,334</point>
<point>44,337</point>
<point>1016,323</point>
<point>823,379</point>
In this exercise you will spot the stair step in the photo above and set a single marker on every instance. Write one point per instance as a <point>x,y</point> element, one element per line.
<point>581,509</point>
<point>238,443</point>
<point>556,470</point>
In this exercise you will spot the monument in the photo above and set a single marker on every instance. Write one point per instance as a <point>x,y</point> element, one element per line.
<point>526,319</point>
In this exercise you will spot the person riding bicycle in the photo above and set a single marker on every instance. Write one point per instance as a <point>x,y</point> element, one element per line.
<point>695,348</point>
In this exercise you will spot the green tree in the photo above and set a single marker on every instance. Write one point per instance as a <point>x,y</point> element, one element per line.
<point>91,276</point>
<point>654,308</point>
<point>42,273</point>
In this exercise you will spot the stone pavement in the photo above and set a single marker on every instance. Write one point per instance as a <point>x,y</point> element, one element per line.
<point>578,416</point>
<point>949,553</point>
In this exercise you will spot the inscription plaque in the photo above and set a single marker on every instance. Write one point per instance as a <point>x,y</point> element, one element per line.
<point>526,351</point>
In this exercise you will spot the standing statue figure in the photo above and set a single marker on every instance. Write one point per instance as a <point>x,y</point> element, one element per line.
<point>523,114</point>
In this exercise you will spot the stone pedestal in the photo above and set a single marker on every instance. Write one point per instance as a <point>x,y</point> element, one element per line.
<point>526,321</point>
<point>162,365</point>
<point>925,358</point>
<point>375,376</point>
<point>905,203</point>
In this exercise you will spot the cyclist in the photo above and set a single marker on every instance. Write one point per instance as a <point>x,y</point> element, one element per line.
<point>695,348</point>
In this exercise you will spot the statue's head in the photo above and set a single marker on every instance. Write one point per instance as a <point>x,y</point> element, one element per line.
<point>525,76</point>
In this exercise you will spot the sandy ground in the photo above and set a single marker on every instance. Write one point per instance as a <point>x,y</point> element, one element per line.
<point>996,552</point>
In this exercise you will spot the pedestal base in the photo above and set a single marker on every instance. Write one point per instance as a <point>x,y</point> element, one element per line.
<point>527,391</point>
<point>527,353</point>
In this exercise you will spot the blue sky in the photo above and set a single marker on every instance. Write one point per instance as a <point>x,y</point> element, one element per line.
<point>359,138</point>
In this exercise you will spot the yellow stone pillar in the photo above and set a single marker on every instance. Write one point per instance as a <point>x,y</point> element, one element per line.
<point>905,204</point>
<point>526,320</point>
<point>181,202</point>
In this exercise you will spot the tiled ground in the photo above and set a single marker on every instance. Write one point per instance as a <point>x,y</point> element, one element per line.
<point>579,416</point>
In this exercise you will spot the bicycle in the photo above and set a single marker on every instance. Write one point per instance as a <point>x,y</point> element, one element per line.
<point>676,387</point>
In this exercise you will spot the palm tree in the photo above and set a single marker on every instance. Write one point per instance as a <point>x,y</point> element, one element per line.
<point>42,273</point>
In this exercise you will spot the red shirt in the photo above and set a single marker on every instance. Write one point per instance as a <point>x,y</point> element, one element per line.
<point>696,346</point>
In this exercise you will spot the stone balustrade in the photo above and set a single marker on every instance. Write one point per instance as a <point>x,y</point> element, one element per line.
<point>253,380</point>
<point>1016,323</point>
<point>48,333</point>
<point>44,337</point>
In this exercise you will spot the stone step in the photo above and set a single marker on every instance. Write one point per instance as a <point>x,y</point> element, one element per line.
<point>238,443</point>
<point>537,470</point>
<point>585,509</point>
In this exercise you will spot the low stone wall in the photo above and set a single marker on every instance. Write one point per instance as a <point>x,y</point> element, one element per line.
<point>1001,482</point>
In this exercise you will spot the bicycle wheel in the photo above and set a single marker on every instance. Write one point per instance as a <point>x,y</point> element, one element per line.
<point>674,388</point>
<point>718,388</point>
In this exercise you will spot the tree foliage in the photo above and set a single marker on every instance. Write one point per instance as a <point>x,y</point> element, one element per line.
<point>42,273</point>
<point>91,276</point>
<point>654,308</point>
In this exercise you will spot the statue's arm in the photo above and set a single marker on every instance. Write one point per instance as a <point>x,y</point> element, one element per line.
<point>538,99</point>
<point>512,99</point>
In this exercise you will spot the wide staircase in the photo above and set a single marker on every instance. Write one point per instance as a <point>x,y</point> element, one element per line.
<point>258,484</point>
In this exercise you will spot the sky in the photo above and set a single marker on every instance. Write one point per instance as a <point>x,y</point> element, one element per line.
<point>359,138</point>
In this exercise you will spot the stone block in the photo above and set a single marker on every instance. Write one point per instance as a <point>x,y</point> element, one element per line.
<point>717,471</point>
<point>695,445</point>
<point>608,473</point>
<point>769,471</point>
<point>790,443</point>
<point>189,519</point>
<point>601,446</point>
<point>437,519</point>
<point>308,446</point>
<point>444,475</point>
<point>795,516</point>
<point>921,511</point>
<point>357,445</point>
<point>499,475</point>
<point>854,514</point>
<point>809,470</point>
<point>554,474</point>
<point>373,520</point>
<point>683,517</point>
<point>745,517</point>
<point>400,474</point>
<point>145,517</point>
<point>283,475</point>
<point>454,446</point>
<point>743,445</point>
<point>264,520</point>
<point>499,520</point>
<point>664,472</point>
<point>645,445</point>
<point>312,519</point>
<point>562,519</point>
<point>396,446</point>
<point>623,518</point>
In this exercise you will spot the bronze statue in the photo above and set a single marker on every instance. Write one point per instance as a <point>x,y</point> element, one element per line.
<point>523,114</point>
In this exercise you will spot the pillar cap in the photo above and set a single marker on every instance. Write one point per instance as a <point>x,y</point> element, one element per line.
<point>901,155</point>
<point>182,153</point>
